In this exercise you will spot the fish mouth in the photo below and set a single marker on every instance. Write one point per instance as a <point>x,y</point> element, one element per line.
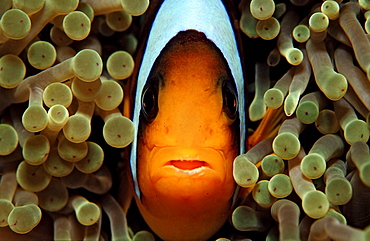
<point>187,164</point>
<point>187,173</point>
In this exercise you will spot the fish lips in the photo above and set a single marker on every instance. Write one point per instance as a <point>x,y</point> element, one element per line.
<point>191,163</point>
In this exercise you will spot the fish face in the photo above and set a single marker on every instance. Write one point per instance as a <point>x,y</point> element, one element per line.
<point>188,138</point>
<point>189,117</point>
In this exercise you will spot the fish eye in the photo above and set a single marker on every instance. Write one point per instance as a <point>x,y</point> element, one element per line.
<point>230,100</point>
<point>149,101</point>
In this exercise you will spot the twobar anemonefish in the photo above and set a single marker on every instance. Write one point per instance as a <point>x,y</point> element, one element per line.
<point>189,118</point>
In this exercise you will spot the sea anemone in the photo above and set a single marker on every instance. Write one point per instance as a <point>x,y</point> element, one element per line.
<point>64,72</point>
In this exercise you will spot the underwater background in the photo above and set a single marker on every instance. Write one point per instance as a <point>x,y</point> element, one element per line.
<point>64,142</point>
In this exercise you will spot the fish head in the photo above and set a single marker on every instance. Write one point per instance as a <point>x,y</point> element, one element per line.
<point>188,133</point>
<point>189,117</point>
<point>188,136</point>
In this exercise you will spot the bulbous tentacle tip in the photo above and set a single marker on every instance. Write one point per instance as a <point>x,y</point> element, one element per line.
<point>23,219</point>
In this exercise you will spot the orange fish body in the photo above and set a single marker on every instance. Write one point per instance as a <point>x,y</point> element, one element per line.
<point>190,128</point>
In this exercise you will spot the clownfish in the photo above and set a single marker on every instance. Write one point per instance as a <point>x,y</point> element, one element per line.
<point>189,115</point>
